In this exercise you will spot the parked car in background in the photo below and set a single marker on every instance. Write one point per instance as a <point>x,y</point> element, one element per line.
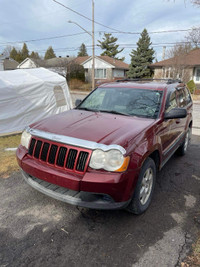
<point>105,153</point>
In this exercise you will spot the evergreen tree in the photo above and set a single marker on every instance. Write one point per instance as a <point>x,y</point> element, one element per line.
<point>19,58</point>
<point>13,53</point>
<point>109,46</point>
<point>34,55</point>
<point>141,58</point>
<point>49,53</point>
<point>82,51</point>
<point>24,52</point>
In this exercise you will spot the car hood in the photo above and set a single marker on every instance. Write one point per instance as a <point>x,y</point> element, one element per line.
<point>98,127</point>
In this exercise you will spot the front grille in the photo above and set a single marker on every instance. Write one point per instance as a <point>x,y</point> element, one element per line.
<point>59,155</point>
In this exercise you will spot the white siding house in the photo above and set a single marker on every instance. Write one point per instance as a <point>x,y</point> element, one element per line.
<point>106,68</point>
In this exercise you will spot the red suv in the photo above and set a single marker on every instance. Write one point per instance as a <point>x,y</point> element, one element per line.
<point>104,154</point>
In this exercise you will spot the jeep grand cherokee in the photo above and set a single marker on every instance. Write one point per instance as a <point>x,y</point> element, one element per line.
<point>105,153</point>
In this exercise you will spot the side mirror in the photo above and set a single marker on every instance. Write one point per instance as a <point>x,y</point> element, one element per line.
<point>176,113</point>
<point>77,102</point>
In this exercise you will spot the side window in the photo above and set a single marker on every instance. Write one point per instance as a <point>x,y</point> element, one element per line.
<point>182,98</point>
<point>172,102</point>
<point>187,95</point>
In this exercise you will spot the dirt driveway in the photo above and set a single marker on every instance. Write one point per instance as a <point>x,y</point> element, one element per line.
<point>36,230</point>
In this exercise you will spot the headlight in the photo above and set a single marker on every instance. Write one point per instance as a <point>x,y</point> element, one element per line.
<point>25,139</point>
<point>112,160</point>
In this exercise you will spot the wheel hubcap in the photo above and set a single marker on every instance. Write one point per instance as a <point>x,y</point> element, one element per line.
<point>146,186</point>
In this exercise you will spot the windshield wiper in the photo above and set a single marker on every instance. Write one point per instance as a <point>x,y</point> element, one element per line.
<point>114,112</point>
<point>88,109</point>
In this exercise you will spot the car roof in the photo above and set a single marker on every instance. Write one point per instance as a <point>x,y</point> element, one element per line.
<point>143,84</point>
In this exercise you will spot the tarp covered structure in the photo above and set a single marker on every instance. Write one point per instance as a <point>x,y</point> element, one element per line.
<point>28,95</point>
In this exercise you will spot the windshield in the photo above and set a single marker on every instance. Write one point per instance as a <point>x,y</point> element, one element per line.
<point>124,101</point>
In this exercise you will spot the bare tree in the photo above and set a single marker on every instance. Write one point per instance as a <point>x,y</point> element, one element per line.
<point>179,67</point>
<point>196,2</point>
<point>194,37</point>
<point>7,50</point>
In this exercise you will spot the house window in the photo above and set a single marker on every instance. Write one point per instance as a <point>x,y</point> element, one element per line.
<point>197,75</point>
<point>167,73</point>
<point>100,73</point>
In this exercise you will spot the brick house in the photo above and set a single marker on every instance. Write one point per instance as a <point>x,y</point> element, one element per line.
<point>185,67</point>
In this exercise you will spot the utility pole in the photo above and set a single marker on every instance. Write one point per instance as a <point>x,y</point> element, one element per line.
<point>93,44</point>
<point>163,54</point>
<point>93,52</point>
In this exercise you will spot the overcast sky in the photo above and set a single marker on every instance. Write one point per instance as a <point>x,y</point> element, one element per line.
<point>23,20</point>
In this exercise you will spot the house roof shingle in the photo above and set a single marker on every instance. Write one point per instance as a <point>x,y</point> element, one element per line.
<point>10,64</point>
<point>52,62</point>
<point>192,58</point>
<point>115,62</point>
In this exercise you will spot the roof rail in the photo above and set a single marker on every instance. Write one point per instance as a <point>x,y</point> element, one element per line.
<point>168,81</point>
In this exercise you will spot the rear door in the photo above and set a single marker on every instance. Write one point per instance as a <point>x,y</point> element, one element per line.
<point>173,128</point>
<point>184,101</point>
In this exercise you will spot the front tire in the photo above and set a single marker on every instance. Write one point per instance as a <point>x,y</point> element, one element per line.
<point>183,148</point>
<point>144,189</point>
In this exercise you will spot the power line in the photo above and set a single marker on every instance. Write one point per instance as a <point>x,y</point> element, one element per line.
<point>68,35</point>
<point>63,49</point>
<point>76,12</point>
<point>42,39</point>
<point>115,30</point>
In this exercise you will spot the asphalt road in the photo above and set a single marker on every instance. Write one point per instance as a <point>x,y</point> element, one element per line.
<point>36,230</point>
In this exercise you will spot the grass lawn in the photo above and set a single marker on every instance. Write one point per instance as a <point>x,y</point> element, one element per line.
<point>8,162</point>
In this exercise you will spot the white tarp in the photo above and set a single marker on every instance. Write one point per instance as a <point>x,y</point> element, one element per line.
<point>29,95</point>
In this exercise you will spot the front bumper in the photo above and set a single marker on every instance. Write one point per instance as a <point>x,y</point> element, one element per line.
<point>78,198</point>
<point>94,189</point>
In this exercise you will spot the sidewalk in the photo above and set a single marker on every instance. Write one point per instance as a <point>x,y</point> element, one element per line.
<point>196,118</point>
